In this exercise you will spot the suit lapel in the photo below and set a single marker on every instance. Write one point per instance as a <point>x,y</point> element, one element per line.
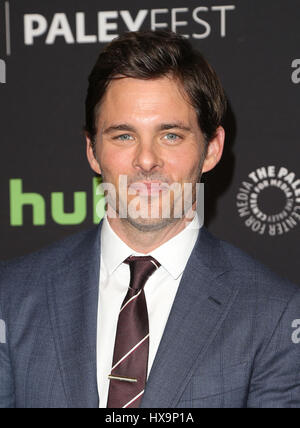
<point>201,305</point>
<point>73,302</point>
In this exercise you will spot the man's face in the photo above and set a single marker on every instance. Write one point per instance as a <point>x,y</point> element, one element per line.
<point>148,132</point>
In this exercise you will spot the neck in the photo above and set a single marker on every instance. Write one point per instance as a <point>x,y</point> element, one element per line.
<point>144,238</point>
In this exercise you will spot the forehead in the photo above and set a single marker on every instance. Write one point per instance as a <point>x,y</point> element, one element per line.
<point>140,98</point>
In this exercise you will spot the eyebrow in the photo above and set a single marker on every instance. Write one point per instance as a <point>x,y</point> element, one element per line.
<point>162,127</point>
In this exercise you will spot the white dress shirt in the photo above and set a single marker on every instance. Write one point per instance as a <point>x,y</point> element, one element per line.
<point>160,291</point>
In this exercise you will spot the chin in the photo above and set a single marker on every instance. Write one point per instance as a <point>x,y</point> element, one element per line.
<point>149,225</point>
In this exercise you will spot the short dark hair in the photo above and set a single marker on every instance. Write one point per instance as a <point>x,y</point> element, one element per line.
<point>154,54</point>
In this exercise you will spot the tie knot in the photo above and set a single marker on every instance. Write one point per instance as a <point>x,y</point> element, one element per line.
<point>141,268</point>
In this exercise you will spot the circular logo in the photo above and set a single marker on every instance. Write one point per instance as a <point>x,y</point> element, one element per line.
<point>268,202</point>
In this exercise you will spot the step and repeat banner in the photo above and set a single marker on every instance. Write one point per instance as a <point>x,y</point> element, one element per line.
<point>47,49</point>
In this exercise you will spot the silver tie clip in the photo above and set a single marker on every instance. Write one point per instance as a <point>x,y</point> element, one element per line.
<point>122,378</point>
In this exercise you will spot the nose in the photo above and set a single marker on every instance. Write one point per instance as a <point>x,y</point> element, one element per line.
<point>147,157</point>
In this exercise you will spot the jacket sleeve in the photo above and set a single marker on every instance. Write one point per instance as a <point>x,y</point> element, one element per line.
<point>276,377</point>
<point>7,395</point>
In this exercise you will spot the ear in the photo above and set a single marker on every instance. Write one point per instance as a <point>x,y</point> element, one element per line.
<point>91,156</point>
<point>215,150</point>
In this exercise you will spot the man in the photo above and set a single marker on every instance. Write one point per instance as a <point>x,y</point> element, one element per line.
<point>149,310</point>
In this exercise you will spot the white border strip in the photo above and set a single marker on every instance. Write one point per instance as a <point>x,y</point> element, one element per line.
<point>154,263</point>
<point>135,398</point>
<point>130,352</point>
<point>130,300</point>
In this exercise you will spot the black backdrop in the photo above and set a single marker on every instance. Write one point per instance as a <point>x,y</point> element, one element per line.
<point>47,50</point>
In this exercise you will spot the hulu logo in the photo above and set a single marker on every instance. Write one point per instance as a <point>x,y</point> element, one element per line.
<point>19,199</point>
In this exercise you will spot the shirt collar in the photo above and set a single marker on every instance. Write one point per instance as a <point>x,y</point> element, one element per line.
<point>173,255</point>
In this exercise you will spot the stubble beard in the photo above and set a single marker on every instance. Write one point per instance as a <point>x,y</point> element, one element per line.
<point>154,224</point>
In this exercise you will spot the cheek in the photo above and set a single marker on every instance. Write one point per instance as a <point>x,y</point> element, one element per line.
<point>113,162</point>
<point>185,165</point>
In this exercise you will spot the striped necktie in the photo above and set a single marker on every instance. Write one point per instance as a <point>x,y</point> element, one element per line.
<point>130,361</point>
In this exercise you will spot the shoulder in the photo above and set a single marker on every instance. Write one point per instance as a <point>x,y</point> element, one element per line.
<point>24,274</point>
<point>57,254</point>
<point>253,276</point>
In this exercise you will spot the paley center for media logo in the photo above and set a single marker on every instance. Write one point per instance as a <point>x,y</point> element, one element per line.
<point>268,202</point>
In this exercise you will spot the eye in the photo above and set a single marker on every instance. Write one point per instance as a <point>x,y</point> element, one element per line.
<point>124,137</point>
<point>172,137</point>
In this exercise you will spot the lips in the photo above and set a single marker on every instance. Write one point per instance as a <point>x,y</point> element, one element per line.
<point>152,187</point>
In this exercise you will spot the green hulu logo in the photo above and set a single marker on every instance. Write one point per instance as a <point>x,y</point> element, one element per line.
<point>19,199</point>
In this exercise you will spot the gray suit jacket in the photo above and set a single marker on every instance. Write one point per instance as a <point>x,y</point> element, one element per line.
<point>229,341</point>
